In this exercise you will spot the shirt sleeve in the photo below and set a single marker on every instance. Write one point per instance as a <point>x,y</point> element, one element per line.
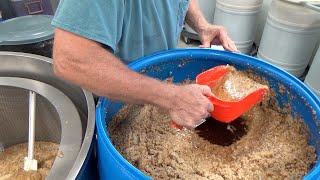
<point>98,20</point>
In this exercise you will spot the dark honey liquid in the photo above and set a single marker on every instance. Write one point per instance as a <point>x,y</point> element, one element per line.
<point>223,134</point>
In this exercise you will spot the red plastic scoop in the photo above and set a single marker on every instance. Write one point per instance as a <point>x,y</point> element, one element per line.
<point>227,111</point>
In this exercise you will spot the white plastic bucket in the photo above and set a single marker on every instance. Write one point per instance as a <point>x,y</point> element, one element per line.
<point>314,52</point>
<point>207,7</point>
<point>239,18</point>
<point>312,79</point>
<point>262,18</point>
<point>290,36</point>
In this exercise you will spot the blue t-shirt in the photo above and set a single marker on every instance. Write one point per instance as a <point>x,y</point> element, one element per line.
<point>131,28</point>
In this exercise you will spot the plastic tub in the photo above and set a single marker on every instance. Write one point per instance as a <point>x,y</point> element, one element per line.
<point>314,53</point>
<point>312,79</point>
<point>289,37</point>
<point>262,18</point>
<point>167,64</point>
<point>31,7</point>
<point>240,20</point>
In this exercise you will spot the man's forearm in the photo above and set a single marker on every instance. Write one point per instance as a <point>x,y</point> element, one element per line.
<point>195,18</point>
<point>87,64</point>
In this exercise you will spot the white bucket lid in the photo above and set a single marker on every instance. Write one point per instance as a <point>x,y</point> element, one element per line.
<point>294,14</point>
<point>241,4</point>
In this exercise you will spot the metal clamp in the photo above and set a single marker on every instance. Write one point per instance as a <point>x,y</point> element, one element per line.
<point>28,4</point>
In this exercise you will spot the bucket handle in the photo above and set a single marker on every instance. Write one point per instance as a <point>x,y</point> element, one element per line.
<point>28,4</point>
<point>312,6</point>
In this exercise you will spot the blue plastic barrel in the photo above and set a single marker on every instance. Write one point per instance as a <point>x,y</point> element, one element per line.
<point>167,64</point>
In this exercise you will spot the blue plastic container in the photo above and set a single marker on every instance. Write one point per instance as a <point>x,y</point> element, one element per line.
<point>167,64</point>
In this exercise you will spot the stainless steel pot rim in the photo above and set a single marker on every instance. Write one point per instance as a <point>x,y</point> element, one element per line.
<point>89,134</point>
<point>71,129</point>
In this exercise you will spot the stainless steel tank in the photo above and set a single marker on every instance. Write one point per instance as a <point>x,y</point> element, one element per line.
<point>65,113</point>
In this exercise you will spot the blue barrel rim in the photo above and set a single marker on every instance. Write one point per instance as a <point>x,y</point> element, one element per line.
<point>155,58</point>
<point>160,57</point>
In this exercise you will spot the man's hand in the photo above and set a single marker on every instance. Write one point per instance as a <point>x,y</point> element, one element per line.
<point>190,105</point>
<point>208,33</point>
<point>218,36</point>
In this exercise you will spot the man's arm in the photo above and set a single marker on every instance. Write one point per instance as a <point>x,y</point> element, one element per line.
<point>208,33</point>
<point>86,63</point>
<point>195,18</point>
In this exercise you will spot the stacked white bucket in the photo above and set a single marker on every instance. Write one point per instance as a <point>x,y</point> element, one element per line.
<point>312,79</point>
<point>290,36</point>
<point>262,18</point>
<point>239,18</point>
<point>207,7</point>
